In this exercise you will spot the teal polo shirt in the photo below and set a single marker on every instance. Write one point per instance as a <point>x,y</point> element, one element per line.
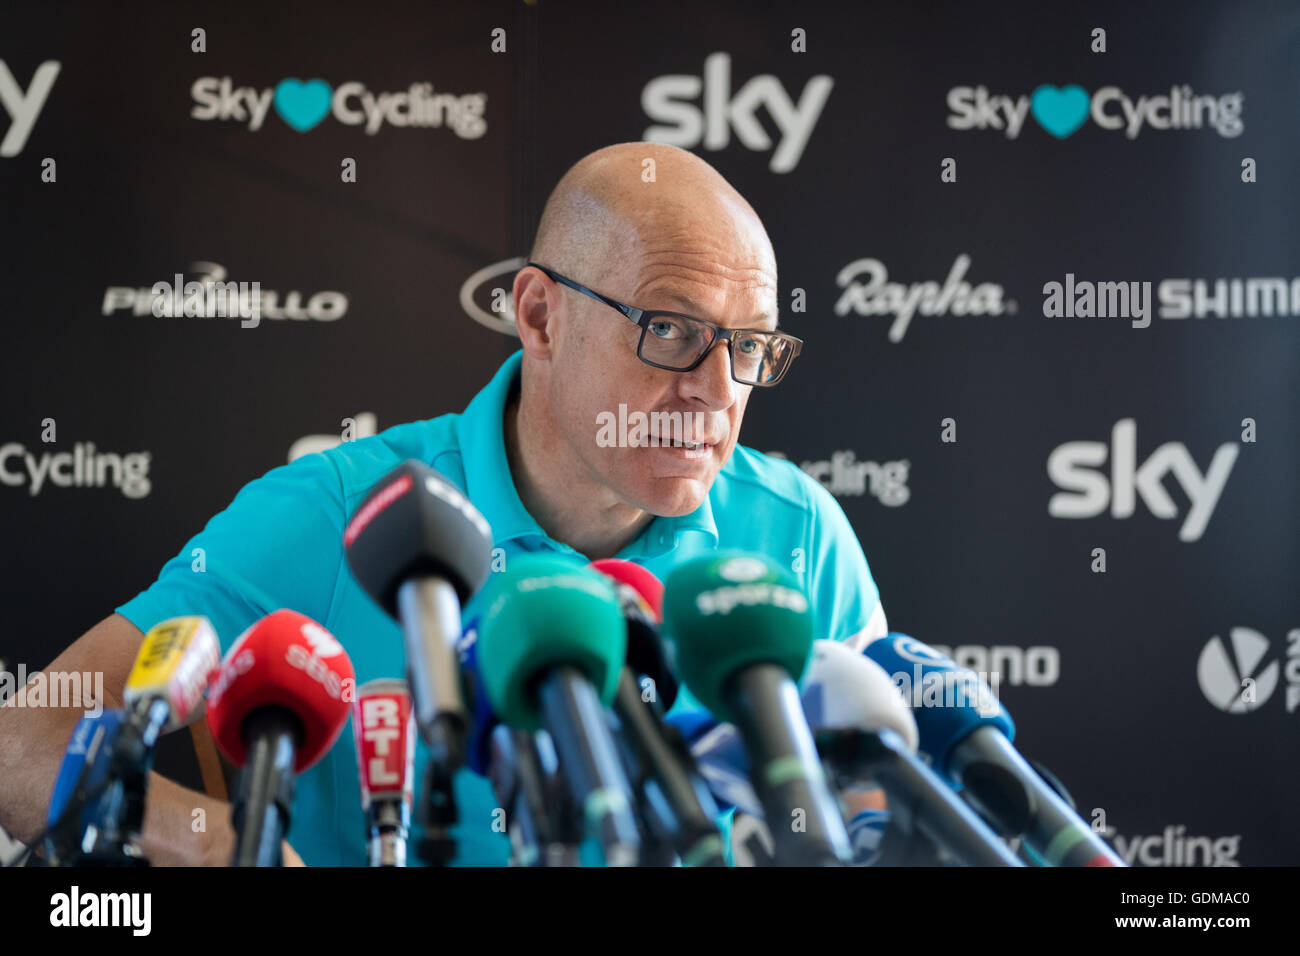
<point>280,545</point>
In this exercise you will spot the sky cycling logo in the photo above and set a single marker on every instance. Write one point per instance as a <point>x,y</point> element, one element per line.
<point>1063,110</point>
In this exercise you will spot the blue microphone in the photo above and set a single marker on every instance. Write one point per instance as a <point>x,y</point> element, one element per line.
<point>966,734</point>
<point>89,795</point>
<point>947,701</point>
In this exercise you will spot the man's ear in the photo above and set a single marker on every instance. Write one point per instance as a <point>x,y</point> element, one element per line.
<point>536,303</point>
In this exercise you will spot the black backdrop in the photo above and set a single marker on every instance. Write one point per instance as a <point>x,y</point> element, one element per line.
<point>1133,672</point>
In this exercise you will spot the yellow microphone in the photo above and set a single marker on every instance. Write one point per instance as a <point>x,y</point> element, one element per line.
<point>175,664</point>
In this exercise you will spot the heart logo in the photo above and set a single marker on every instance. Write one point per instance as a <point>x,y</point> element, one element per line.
<point>1059,111</point>
<point>302,105</point>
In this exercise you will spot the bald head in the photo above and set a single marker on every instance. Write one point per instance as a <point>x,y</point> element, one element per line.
<point>615,208</point>
<point>657,228</point>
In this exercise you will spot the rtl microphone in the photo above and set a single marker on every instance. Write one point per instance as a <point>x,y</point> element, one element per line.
<point>967,736</point>
<point>421,550</point>
<point>277,705</point>
<point>669,779</point>
<point>551,646</point>
<point>743,635</point>
<point>384,728</point>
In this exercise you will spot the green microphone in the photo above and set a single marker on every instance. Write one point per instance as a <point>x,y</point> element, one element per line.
<point>743,635</point>
<point>551,645</point>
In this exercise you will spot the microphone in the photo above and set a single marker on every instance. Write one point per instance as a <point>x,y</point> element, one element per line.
<point>865,732</point>
<point>743,635</point>
<point>164,690</point>
<point>641,598</point>
<point>175,663</point>
<point>277,705</point>
<point>421,550</point>
<point>970,745</point>
<point>524,784</point>
<point>86,794</point>
<point>551,645</point>
<point>383,725</point>
<point>669,780</point>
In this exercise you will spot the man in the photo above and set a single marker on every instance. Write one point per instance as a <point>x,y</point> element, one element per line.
<point>530,452</point>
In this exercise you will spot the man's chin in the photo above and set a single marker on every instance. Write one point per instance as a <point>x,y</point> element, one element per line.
<point>674,497</point>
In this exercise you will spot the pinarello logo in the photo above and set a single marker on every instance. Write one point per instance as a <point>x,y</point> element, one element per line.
<point>377,504</point>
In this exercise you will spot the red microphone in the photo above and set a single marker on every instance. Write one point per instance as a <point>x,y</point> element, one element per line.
<point>641,597</point>
<point>384,726</point>
<point>647,586</point>
<point>277,705</point>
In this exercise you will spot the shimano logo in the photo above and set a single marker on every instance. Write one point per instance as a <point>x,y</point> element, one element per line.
<point>1038,666</point>
<point>1075,468</point>
<point>868,291</point>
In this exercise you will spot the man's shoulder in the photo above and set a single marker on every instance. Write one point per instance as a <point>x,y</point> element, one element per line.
<point>362,462</point>
<point>752,473</point>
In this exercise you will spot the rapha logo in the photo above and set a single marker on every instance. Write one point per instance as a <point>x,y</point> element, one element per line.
<point>1074,466</point>
<point>668,99</point>
<point>868,291</point>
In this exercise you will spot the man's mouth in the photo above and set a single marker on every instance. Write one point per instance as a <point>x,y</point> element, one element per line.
<point>685,443</point>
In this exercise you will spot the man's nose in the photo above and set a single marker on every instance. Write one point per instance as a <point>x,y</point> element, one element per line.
<point>711,381</point>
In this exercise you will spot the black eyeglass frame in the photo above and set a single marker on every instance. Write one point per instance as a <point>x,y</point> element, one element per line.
<point>643,318</point>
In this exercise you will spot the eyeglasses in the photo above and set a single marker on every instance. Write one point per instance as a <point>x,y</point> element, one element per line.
<point>679,343</point>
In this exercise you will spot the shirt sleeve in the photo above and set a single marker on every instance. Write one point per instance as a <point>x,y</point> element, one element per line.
<point>279,544</point>
<point>846,602</point>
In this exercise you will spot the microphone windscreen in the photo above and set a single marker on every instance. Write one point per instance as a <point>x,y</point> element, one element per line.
<point>285,660</point>
<point>728,610</point>
<point>543,612</point>
<point>843,690</point>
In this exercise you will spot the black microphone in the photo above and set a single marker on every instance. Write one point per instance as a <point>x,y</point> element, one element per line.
<point>421,551</point>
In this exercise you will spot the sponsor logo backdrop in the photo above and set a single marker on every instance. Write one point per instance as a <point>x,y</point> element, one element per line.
<point>1051,328</point>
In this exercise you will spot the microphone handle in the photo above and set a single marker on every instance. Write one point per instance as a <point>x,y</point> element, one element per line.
<point>1002,784</point>
<point>261,810</point>
<point>389,825</point>
<point>914,789</point>
<point>785,769</point>
<point>699,841</point>
<point>430,614</point>
<point>589,762</point>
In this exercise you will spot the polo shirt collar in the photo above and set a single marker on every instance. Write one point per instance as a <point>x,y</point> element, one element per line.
<point>489,484</point>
